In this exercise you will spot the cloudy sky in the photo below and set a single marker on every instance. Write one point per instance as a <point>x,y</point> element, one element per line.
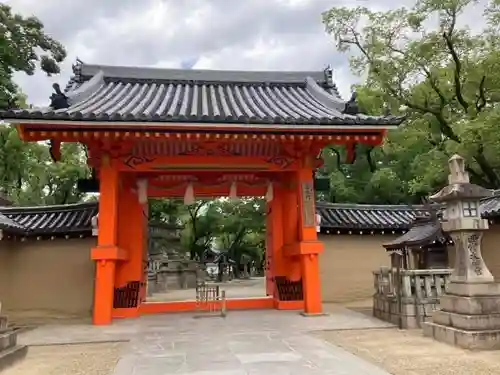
<point>203,34</point>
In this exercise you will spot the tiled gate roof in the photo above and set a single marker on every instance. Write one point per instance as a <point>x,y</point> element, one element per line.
<point>141,94</point>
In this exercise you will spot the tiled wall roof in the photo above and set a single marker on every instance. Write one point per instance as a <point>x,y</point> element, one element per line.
<point>49,220</point>
<point>335,216</point>
<point>339,216</point>
<point>10,225</point>
<point>76,218</point>
<point>490,207</point>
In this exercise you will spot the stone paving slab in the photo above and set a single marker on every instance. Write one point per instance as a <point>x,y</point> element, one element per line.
<point>246,342</point>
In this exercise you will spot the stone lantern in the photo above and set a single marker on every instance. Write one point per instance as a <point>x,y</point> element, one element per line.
<point>462,220</point>
<point>469,314</point>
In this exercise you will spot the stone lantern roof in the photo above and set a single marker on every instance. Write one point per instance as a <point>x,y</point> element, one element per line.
<point>459,186</point>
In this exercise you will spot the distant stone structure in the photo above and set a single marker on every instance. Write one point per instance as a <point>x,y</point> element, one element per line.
<point>10,351</point>
<point>173,275</point>
<point>469,314</point>
<point>408,292</point>
<point>168,267</point>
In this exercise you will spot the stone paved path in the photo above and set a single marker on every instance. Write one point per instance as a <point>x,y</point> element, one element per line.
<point>239,288</point>
<point>249,342</point>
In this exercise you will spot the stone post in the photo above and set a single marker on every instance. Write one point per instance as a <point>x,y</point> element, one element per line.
<point>469,314</point>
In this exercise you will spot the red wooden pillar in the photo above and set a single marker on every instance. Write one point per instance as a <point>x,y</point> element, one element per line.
<point>144,243</point>
<point>290,217</point>
<point>274,252</point>
<point>269,262</point>
<point>107,251</point>
<point>308,247</point>
<point>132,238</point>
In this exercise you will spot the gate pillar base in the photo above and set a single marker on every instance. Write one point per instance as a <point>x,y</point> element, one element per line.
<point>126,313</point>
<point>289,305</point>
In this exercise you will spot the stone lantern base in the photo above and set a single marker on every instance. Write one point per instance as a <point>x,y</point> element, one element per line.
<point>469,316</point>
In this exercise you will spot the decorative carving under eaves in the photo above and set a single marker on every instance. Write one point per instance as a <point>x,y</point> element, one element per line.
<point>209,180</point>
<point>133,161</point>
<point>281,161</point>
<point>209,149</point>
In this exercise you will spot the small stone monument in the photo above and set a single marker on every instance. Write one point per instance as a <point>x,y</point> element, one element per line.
<point>469,314</point>
<point>10,351</point>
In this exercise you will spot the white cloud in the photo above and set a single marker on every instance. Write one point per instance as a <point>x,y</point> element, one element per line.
<point>222,34</point>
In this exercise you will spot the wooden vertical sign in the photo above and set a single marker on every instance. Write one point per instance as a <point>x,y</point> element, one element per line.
<point>308,214</point>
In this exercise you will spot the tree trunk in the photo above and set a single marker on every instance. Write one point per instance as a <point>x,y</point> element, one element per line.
<point>488,171</point>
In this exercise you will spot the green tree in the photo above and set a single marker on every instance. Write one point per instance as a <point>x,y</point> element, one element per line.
<point>200,228</point>
<point>28,176</point>
<point>167,211</point>
<point>235,227</point>
<point>59,179</point>
<point>21,40</point>
<point>241,231</point>
<point>444,79</point>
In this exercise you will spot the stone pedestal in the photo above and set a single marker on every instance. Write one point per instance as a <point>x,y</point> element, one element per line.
<point>469,316</point>
<point>10,351</point>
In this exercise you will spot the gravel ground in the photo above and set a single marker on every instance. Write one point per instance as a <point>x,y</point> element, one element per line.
<point>409,353</point>
<point>78,359</point>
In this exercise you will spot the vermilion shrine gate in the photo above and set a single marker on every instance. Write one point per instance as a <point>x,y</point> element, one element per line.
<point>193,133</point>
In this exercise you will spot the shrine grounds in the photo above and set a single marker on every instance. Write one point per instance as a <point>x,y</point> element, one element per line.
<point>346,341</point>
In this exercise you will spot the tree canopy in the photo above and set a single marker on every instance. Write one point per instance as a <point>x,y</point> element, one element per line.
<point>27,174</point>
<point>426,63</point>
<point>234,227</point>
<point>29,177</point>
<point>22,38</point>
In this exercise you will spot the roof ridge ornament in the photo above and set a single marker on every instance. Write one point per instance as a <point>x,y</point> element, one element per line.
<point>77,66</point>
<point>58,100</point>
<point>77,73</point>
<point>352,107</point>
<point>329,76</point>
